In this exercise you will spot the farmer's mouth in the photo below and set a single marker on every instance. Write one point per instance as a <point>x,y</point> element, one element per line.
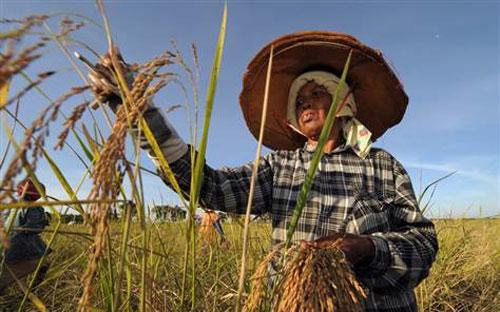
<point>307,117</point>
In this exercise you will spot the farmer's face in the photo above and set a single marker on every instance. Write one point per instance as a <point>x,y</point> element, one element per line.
<point>312,105</point>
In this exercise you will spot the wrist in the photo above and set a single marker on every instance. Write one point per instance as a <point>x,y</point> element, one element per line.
<point>368,255</point>
<point>381,258</point>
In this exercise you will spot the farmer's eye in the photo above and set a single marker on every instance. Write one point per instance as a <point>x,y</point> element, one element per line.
<point>299,102</point>
<point>319,92</point>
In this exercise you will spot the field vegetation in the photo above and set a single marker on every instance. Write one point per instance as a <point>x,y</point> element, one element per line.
<point>465,276</point>
<point>135,262</point>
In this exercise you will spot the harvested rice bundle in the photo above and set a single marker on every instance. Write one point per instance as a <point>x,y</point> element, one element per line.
<point>106,180</point>
<point>312,279</point>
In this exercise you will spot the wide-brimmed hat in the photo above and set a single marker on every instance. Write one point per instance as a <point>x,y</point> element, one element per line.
<point>379,94</point>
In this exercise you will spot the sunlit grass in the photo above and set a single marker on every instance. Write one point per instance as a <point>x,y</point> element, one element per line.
<point>465,276</point>
<point>140,264</point>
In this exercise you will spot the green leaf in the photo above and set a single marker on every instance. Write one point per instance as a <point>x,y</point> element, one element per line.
<point>4,94</point>
<point>325,133</point>
<point>164,167</point>
<point>200,159</point>
<point>64,182</point>
<point>84,147</point>
<point>434,183</point>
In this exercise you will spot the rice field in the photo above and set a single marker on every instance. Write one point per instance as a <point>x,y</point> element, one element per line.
<point>138,263</point>
<point>465,276</point>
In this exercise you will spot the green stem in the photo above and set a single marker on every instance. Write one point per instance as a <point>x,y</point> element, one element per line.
<point>325,133</point>
<point>110,269</point>
<point>246,229</point>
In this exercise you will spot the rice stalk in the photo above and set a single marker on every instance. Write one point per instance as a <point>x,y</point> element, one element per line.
<point>193,76</point>
<point>34,139</point>
<point>252,182</point>
<point>433,185</point>
<point>111,152</point>
<point>197,175</point>
<point>259,279</point>
<point>135,102</point>
<point>12,62</point>
<point>127,225</point>
<point>325,133</point>
<point>70,122</point>
<point>312,279</point>
<point>84,78</point>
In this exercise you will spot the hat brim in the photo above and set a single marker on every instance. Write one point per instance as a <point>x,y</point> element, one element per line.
<point>379,94</point>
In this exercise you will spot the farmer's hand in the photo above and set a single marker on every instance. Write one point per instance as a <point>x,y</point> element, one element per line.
<point>103,82</point>
<point>105,87</point>
<point>358,249</point>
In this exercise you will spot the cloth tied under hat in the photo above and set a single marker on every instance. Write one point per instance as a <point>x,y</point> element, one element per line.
<point>356,135</point>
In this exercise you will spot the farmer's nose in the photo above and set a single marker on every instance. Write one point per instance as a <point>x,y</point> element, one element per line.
<point>307,104</point>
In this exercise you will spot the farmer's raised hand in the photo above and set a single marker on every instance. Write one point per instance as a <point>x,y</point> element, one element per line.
<point>358,249</point>
<point>103,80</point>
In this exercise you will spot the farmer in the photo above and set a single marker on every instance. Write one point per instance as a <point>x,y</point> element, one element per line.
<point>26,246</point>
<point>359,192</point>
<point>211,226</point>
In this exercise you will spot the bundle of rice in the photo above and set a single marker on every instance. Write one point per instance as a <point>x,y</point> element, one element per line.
<point>312,280</point>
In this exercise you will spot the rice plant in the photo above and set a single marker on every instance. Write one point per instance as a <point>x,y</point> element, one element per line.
<point>139,263</point>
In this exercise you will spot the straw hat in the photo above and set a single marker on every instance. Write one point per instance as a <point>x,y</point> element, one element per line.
<point>378,92</point>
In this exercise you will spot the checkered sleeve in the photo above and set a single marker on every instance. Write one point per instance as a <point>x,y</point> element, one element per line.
<point>404,255</point>
<point>170,143</point>
<point>227,189</point>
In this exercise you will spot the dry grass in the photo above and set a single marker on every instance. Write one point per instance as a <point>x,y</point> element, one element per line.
<point>312,279</point>
<point>465,277</point>
<point>466,274</point>
<point>105,178</point>
<point>318,280</point>
<point>141,265</point>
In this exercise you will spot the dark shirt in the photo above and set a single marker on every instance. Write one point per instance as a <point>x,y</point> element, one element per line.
<point>26,243</point>
<point>371,196</point>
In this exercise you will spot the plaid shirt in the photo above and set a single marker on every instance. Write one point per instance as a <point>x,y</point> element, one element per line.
<point>372,196</point>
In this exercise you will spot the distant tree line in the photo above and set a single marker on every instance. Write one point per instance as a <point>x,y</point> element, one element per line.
<point>169,213</point>
<point>160,212</point>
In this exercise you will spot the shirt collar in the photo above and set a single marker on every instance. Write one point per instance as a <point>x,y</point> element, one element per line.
<point>342,147</point>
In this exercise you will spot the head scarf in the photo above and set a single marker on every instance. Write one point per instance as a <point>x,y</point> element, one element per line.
<point>356,135</point>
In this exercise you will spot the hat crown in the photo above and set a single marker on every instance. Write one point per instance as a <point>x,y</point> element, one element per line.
<point>379,94</point>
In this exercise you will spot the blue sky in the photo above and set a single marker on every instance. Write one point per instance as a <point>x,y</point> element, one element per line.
<point>445,52</point>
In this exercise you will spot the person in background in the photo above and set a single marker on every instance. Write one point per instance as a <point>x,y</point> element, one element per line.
<point>26,247</point>
<point>210,226</point>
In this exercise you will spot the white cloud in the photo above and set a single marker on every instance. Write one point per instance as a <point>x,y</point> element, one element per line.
<point>448,168</point>
<point>457,106</point>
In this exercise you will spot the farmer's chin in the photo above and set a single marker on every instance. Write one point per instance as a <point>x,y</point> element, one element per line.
<point>311,131</point>
<point>313,134</point>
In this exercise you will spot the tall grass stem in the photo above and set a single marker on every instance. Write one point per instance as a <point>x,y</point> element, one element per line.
<point>255,168</point>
